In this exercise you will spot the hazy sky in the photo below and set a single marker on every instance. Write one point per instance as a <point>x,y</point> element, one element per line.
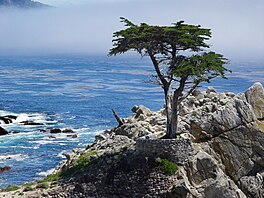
<point>86,26</point>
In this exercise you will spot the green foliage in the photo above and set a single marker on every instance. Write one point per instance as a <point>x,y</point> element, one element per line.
<point>28,188</point>
<point>177,54</point>
<point>54,177</point>
<point>28,184</point>
<point>166,43</point>
<point>168,167</point>
<point>43,185</point>
<point>84,159</point>
<point>79,165</point>
<point>10,188</point>
<point>145,38</point>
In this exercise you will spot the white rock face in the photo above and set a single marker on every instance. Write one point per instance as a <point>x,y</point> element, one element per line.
<point>230,126</point>
<point>255,97</point>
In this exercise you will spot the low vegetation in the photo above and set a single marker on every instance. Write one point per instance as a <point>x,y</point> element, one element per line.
<point>10,188</point>
<point>43,185</point>
<point>79,166</point>
<point>168,167</point>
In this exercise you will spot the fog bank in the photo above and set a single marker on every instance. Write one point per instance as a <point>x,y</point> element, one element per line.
<point>87,28</point>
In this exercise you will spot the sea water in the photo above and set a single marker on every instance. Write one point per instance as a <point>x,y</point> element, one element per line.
<point>78,92</point>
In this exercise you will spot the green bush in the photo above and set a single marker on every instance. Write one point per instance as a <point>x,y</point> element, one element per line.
<point>44,185</point>
<point>81,163</point>
<point>50,178</point>
<point>10,188</point>
<point>168,167</point>
<point>28,188</point>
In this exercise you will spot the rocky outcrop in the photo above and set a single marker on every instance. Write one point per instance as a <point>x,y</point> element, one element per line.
<point>232,128</point>
<point>223,156</point>
<point>143,122</point>
<point>255,97</point>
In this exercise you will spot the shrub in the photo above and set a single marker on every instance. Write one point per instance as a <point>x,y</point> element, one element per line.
<point>44,185</point>
<point>10,188</point>
<point>168,167</point>
<point>28,188</point>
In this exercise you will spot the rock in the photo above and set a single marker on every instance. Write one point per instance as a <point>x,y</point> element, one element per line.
<point>99,137</point>
<point>55,131</point>
<point>204,173</point>
<point>73,136</point>
<point>133,131</point>
<point>5,120</point>
<point>140,110</point>
<point>13,117</point>
<point>210,90</point>
<point>5,168</point>
<point>255,97</point>
<point>31,123</point>
<point>241,150</point>
<point>67,131</point>
<point>229,94</point>
<point>3,131</point>
<point>254,185</point>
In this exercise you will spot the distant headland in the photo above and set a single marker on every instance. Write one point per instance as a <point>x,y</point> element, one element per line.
<point>22,4</point>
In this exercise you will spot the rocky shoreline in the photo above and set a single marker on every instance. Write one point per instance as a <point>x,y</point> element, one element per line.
<point>219,153</point>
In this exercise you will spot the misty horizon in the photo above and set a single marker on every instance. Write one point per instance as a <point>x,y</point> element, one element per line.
<point>87,29</point>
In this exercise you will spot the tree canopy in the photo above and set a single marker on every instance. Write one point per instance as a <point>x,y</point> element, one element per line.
<point>178,55</point>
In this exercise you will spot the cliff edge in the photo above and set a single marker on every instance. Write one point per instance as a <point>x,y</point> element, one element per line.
<point>219,154</point>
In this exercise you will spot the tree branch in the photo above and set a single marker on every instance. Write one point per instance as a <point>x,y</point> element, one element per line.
<point>157,69</point>
<point>120,122</point>
<point>189,92</point>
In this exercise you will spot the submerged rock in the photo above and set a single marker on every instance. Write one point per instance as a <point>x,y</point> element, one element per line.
<point>31,123</point>
<point>3,131</point>
<point>5,168</point>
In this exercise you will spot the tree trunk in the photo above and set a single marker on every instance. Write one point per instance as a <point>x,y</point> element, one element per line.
<point>172,116</point>
<point>172,104</point>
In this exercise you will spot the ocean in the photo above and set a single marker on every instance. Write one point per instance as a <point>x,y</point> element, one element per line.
<point>78,93</point>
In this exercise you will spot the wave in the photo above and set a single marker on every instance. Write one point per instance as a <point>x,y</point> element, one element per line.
<point>17,157</point>
<point>46,173</point>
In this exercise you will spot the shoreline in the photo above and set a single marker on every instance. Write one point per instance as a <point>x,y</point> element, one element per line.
<point>207,119</point>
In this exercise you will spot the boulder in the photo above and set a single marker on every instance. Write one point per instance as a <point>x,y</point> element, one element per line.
<point>132,131</point>
<point>203,173</point>
<point>140,110</point>
<point>5,120</point>
<point>67,131</point>
<point>255,97</point>
<point>72,136</point>
<point>5,168</point>
<point>31,123</point>
<point>55,131</point>
<point>3,131</point>
<point>254,185</point>
<point>241,150</point>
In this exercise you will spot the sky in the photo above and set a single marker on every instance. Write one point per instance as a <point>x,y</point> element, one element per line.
<point>86,26</point>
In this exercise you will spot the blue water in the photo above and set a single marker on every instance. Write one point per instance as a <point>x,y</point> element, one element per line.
<point>78,92</point>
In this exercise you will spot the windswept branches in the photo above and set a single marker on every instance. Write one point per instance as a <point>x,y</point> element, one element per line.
<point>177,72</point>
<point>163,40</point>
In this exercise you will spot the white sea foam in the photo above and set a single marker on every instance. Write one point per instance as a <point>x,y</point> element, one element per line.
<point>46,173</point>
<point>62,154</point>
<point>17,157</point>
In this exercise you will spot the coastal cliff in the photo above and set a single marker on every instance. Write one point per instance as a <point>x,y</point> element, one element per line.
<point>219,153</point>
